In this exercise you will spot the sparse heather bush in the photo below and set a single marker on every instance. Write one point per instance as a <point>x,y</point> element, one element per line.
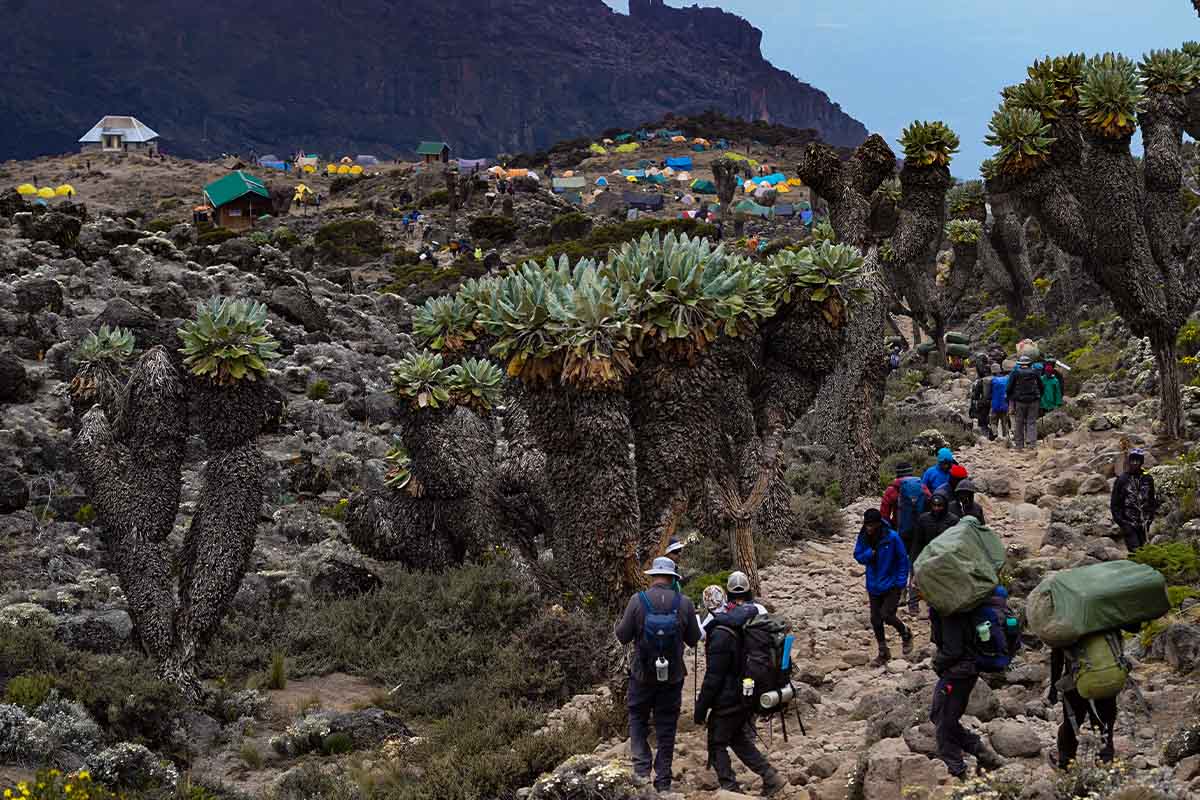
<point>28,691</point>
<point>132,766</point>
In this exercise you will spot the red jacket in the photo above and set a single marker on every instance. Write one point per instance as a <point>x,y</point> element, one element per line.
<point>889,505</point>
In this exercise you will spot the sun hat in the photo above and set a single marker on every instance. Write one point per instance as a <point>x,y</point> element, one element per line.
<point>738,583</point>
<point>663,566</point>
<point>674,546</point>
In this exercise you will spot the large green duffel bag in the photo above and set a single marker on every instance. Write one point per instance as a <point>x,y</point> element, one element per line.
<point>925,348</point>
<point>957,337</point>
<point>960,350</point>
<point>960,569</point>
<point>1073,603</point>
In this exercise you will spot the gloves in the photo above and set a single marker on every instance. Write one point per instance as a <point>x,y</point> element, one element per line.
<point>1053,696</point>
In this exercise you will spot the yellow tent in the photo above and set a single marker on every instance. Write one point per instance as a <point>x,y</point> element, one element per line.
<point>343,170</point>
<point>356,170</point>
<point>782,187</point>
<point>795,182</point>
<point>632,179</point>
<point>46,192</point>
<point>331,169</point>
<point>630,147</point>
<point>66,190</point>
<point>26,189</point>
<point>309,168</point>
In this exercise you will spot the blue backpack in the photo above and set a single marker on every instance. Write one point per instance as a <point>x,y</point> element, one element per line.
<point>999,400</point>
<point>911,504</point>
<point>995,648</point>
<point>659,633</point>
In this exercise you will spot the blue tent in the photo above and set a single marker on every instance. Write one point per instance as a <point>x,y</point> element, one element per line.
<point>682,163</point>
<point>633,173</point>
<point>602,181</point>
<point>807,216</point>
<point>771,180</point>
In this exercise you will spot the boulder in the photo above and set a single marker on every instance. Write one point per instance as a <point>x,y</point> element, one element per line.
<point>53,227</point>
<point>997,484</point>
<point>296,305</point>
<point>11,203</point>
<point>922,739</point>
<point>983,704</point>
<point>1064,486</point>
<point>891,767</point>
<point>146,327</point>
<point>1184,743</point>
<point>336,571</point>
<point>98,631</point>
<point>1180,643</point>
<point>1014,739</point>
<point>35,295</point>
<point>14,492</point>
<point>1093,484</point>
<point>369,727</point>
<point>1105,422</point>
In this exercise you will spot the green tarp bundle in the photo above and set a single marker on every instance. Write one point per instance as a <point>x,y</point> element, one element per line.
<point>960,569</point>
<point>1076,602</point>
<point>704,187</point>
<point>957,337</point>
<point>751,208</point>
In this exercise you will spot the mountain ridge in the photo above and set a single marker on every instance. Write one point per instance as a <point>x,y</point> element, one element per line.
<point>379,75</point>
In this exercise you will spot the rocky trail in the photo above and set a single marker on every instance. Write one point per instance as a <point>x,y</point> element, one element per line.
<point>871,724</point>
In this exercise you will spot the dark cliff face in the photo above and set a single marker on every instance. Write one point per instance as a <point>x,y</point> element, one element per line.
<point>375,76</point>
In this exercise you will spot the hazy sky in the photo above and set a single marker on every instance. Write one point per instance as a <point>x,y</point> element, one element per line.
<point>943,59</point>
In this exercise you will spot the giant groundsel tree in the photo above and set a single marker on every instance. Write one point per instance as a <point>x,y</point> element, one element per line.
<point>1063,154</point>
<point>130,448</point>
<point>656,383</point>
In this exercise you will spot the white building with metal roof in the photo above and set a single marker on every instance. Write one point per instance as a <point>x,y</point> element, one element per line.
<point>114,134</point>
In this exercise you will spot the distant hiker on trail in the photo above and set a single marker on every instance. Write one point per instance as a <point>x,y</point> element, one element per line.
<point>938,475</point>
<point>957,671</point>
<point>932,524</point>
<point>880,550</point>
<point>1052,387</point>
<point>964,504</point>
<point>662,621</point>
<point>1024,392</point>
<point>1133,504</point>
<point>894,358</point>
<point>903,503</point>
<point>674,552</point>
<point>721,703</point>
<point>999,423</point>
<point>980,407</point>
<point>1100,712</point>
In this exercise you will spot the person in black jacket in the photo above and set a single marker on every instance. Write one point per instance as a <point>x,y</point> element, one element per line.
<point>964,504</point>
<point>1101,713</point>
<point>1133,503</point>
<point>957,674</point>
<point>930,525</point>
<point>720,703</point>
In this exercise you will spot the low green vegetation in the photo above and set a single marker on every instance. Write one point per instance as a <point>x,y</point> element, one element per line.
<point>214,236</point>
<point>495,230</point>
<point>1177,594</point>
<point>318,389</point>
<point>1179,562</point>
<point>420,280</point>
<point>438,197</point>
<point>350,242</point>
<point>606,237</point>
<point>695,587</point>
<point>277,674</point>
<point>29,690</point>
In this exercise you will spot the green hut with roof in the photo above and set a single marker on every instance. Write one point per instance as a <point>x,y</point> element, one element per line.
<point>237,199</point>
<point>433,152</point>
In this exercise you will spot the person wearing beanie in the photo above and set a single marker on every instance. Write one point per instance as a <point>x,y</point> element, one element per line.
<point>881,551</point>
<point>1052,387</point>
<point>998,422</point>
<point>964,504</point>
<point>938,475</point>
<point>958,474</point>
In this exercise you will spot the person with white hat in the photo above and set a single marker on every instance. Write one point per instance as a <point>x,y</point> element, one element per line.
<point>661,620</point>
<point>674,552</point>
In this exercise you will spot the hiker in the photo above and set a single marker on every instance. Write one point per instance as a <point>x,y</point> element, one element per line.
<point>999,422</point>
<point>1101,712</point>
<point>1052,388</point>
<point>938,475</point>
<point>903,502</point>
<point>880,550</point>
<point>964,504</point>
<point>662,621</point>
<point>930,525</point>
<point>1133,504</point>
<point>954,663</point>
<point>980,406</point>
<point>674,552</point>
<point>958,474</point>
<point>894,358</point>
<point>721,704</point>
<point>1024,392</point>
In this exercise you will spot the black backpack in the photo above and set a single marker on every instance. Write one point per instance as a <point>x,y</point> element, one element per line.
<point>1028,387</point>
<point>765,658</point>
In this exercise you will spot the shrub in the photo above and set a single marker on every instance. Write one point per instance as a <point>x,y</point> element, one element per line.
<point>30,649</point>
<point>125,696</point>
<point>336,744</point>
<point>28,691</point>
<point>350,242</point>
<point>309,781</point>
<point>499,230</point>
<point>318,389</point>
<point>438,197</point>
<point>336,511</point>
<point>251,756</point>
<point>696,586</point>
<point>215,236</point>
<point>420,280</point>
<point>51,784</point>
<point>1177,561</point>
<point>606,237</point>
<point>896,432</point>
<point>132,766</point>
<point>817,515</point>
<point>1177,594</point>
<point>572,225</point>
<point>567,643</point>
<point>284,238</point>
<point>277,677</point>
<point>86,514</point>
<point>1001,326</point>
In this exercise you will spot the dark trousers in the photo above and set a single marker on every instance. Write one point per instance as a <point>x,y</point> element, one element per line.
<point>664,700</point>
<point>1135,536</point>
<point>883,611</point>
<point>1076,710</point>
<point>950,698</point>
<point>734,732</point>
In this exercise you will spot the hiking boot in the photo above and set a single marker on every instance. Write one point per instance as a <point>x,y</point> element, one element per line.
<point>773,783</point>
<point>906,644</point>
<point>988,759</point>
<point>732,786</point>
<point>880,660</point>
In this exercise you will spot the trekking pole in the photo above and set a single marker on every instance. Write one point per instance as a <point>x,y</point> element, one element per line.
<point>696,675</point>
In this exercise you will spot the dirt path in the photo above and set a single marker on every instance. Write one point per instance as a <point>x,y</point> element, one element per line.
<point>819,588</point>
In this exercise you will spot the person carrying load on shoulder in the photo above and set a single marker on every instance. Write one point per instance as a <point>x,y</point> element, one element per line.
<point>662,621</point>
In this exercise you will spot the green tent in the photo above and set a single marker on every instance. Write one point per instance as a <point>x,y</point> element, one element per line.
<point>704,187</point>
<point>752,209</point>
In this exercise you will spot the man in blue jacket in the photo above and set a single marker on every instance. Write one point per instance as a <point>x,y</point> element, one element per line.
<point>938,475</point>
<point>880,550</point>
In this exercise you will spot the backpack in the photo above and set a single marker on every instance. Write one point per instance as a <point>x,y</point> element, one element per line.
<point>1099,668</point>
<point>894,360</point>
<point>765,644</point>
<point>659,634</point>
<point>976,398</point>
<point>999,399</point>
<point>1002,631</point>
<point>1027,389</point>
<point>910,503</point>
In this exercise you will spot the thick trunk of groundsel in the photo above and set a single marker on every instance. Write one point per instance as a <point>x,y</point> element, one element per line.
<point>937,329</point>
<point>1171,408</point>
<point>1006,258</point>
<point>591,478</point>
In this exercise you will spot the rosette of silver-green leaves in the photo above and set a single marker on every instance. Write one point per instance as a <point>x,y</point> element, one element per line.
<point>825,274</point>
<point>422,378</point>
<point>108,345</point>
<point>964,231</point>
<point>446,323</point>
<point>590,320</point>
<point>929,143</point>
<point>399,474</point>
<point>228,340</point>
